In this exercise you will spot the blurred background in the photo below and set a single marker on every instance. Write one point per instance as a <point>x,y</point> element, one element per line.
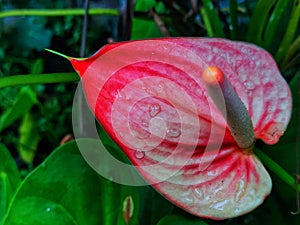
<point>35,120</point>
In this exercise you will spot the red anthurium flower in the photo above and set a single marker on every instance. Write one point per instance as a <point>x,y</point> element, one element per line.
<point>187,112</point>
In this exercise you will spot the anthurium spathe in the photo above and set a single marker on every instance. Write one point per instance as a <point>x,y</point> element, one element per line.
<point>187,112</point>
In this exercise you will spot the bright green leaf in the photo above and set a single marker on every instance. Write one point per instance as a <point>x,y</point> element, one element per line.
<point>64,187</point>
<point>288,60</point>
<point>258,20</point>
<point>144,5</point>
<point>37,67</point>
<point>211,19</point>
<point>9,179</point>
<point>24,102</point>
<point>179,220</point>
<point>65,190</point>
<point>273,26</point>
<point>29,138</point>
<point>45,212</point>
<point>142,29</point>
<point>291,30</point>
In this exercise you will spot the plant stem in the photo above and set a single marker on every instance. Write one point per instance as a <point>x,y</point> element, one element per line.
<point>277,169</point>
<point>58,12</point>
<point>37,79</point>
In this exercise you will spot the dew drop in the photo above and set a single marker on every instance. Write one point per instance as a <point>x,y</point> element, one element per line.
<point>118,94</point>
<point>139,154</point>
<point>283,94</point>
<point>142,134</point>
<point>173,132</point>
<point>154,109</point>
<point>237,209</point>
<point>240,189</point>
<point>209,57</point>
<point>221,205</point>
<point>215,50</point>
<point>245,50</point>
<point>199,194</point>
<point>189,199</point>
<point>48,209</point>
<point>250,85</point>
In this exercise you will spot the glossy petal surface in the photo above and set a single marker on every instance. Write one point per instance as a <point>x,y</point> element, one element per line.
<point>150,98</point>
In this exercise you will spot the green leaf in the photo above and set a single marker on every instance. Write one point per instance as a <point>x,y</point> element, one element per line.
<point>29,138</point>
<point>65,190</point>
<point>288,60</point>
<point>258,21</point>
<point>9,179</point>
<point>142,28</point>
<point>62,190</point>
<point>179,220</point>
<point>211,19</point>
<point>10,81</point>
<point>38,66</point>
<point>144,5</point>
<point>291,30</point>
<point>24,102</point>
<point>273,25</point>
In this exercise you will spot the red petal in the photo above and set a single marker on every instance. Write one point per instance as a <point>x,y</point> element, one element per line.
<point>234,184</point>
<point>257,80</point>
<point>150,98</point>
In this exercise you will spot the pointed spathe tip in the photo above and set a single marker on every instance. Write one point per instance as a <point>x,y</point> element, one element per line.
<point>58,53</point>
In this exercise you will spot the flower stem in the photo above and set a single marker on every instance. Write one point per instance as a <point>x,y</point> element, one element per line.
<point>37,79</point>
<point>277,169</point>
<point>57,12</point>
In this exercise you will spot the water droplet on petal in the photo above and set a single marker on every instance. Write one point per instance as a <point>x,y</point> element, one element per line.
<point>199,194</point>
<point>240,190</point>
<point>265,79</point>
<point>250,85</point>
<point>143,135</point>
<point>118,94</point>
<point>139,154</point>
<point>215,50</point>
<point>154,109</point>
<point>274,132</point>
<point>173,132</point>
<point>189,199</point>
<point>221,205</point>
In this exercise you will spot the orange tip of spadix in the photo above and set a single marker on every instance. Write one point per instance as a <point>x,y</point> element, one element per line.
<point>213,75</point>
